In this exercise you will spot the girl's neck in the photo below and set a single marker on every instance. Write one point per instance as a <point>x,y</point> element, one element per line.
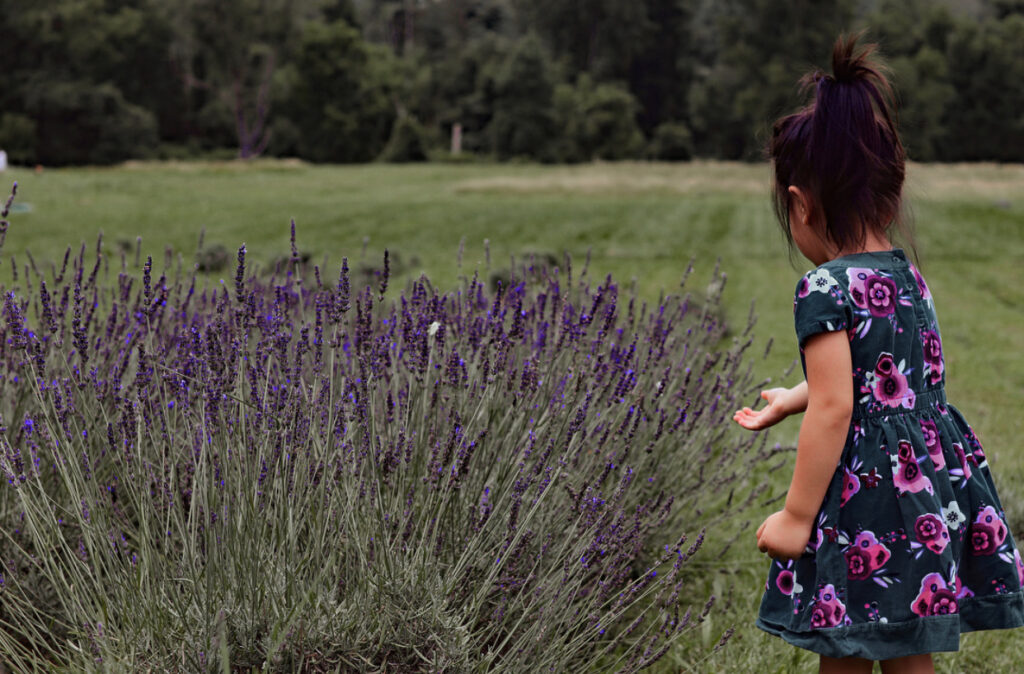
<point>873,243</point>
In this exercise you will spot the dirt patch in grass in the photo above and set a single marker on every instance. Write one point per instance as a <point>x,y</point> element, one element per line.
<point>626,178</point>
<point>1002,183</point>
<point>192,166</point>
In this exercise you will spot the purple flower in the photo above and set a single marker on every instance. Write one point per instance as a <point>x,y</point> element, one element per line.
<point>931,532</point>
<point>880,295</point>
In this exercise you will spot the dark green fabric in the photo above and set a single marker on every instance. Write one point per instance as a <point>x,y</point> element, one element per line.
<point>911,546</point>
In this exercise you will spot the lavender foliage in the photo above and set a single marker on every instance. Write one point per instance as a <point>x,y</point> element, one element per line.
<point>303,477</point>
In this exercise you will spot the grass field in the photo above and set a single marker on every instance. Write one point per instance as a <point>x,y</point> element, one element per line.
<point>640,222</point>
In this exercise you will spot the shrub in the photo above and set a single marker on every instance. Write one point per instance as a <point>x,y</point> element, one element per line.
<point>338,95</point>
<point>17,137</point>
<point>106,128</point>
<point>672,141</point>
<point>407,143</point>
<point>301,476</point>
<point>523,122</point>
<point>598,121</point>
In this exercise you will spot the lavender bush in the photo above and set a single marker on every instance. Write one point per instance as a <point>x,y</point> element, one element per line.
<point>291,474</point>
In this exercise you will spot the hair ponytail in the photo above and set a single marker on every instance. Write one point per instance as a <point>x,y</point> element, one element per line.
<point>843,147</point>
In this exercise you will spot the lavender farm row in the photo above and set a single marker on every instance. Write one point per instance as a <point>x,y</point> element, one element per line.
<point>294,475</point>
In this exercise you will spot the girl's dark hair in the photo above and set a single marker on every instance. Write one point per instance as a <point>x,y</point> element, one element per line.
<point>843,149</point>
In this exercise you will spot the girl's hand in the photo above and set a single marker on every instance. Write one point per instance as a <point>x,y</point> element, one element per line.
<point>783,535</point>
<point>775,411</point>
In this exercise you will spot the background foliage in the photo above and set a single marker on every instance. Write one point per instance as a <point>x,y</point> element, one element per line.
<point>100,81</point>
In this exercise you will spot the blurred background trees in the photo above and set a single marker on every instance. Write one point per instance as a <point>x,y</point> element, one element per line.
<point>101,81</point>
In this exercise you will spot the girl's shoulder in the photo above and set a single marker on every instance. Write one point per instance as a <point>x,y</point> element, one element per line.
<point>854,273</point>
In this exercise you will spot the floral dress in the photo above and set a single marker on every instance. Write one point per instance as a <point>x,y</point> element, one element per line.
<point>911,546</point>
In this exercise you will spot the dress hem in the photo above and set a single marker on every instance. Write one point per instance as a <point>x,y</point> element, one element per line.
<point>932,634</point>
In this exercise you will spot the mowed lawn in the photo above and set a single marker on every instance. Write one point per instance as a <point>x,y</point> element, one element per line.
<point>640,222</point>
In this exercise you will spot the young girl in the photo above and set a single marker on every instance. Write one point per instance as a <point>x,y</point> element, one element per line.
<point>892,541</point>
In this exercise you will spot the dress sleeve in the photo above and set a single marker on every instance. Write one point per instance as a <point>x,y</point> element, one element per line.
<point>819,305</point>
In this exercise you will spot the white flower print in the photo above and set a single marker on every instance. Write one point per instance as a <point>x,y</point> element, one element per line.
<point>821,281</point>
<point>953,516</point>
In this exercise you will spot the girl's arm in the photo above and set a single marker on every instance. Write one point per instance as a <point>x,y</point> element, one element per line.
<point>822,437</point>
<point>782,402</point>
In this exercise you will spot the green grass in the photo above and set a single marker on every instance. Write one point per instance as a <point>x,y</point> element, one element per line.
<point>640,222</point>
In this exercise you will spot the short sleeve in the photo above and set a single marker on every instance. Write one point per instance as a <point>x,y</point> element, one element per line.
<point>819,305</point>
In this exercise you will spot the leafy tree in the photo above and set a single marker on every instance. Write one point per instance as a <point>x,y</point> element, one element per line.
<point>763,47</point>
<point>662,69</point>
<point>73,72</point>
<point>523,123</point>
<point>914,37</point>
<point>340,94</point>
<point>106,128</point>
<point>18,137</point>
<point>408,142</point>
<point>596,121</point>
<point>985,120</point>
<point>672,141</point>
<point>598,37</point>
<point>231,50</point>
<point>925,93</point>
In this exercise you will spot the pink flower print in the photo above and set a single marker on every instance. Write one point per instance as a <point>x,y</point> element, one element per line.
<point>931,531</point>
<point>865,556</point>
<point>880,295</point>
<point>889,384</point>
<point>906,472</point>
<point>935,597</point>
<point>932,347</point>
<point>851,485</point>
<point>803,288</point>
<point>1020,566</point>
<point>827,610</point>
<point>858,290</point>
<point>965,463</point>
<point>885,365</point>
<point>962,591</point>
<point>931,441</point>
<point>943,603</point>
<point>977,455</point>
<point>785,581</point>
<point>987,532</point>
<point>921,285</point>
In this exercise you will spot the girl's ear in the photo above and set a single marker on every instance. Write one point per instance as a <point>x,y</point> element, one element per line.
<point>799,205</point>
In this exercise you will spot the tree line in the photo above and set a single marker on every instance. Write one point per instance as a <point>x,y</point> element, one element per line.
<point>102,81</point>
